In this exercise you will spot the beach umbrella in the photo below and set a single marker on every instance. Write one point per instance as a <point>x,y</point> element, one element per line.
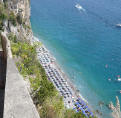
<point>85,107</point>
<point>84,113</point>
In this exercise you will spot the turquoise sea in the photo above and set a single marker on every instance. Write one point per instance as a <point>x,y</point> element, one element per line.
<point>85,42</point>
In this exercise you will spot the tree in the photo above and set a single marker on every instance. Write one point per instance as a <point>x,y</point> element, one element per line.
<point>19,18</point>
<point>12,18</point>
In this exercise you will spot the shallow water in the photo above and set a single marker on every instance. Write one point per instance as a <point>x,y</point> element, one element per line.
<point>86,43</point>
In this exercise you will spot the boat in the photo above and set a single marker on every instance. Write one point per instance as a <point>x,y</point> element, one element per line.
<point>118,25</point>
<point>109,79</point>
<point>79,7</point>
<point>119,79</point>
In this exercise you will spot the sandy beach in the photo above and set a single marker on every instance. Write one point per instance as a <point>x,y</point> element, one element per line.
<point>71,96</point>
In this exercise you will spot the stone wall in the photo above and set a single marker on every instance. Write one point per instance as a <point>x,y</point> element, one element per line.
<point>18,102</point>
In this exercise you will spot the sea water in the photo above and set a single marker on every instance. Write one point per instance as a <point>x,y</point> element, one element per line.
<point>85,42</point>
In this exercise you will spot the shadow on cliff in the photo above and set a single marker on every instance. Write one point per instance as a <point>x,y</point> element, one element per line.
<point>2,84</point>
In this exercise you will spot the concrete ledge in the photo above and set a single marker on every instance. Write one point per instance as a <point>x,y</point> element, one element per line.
<point>17,103</point>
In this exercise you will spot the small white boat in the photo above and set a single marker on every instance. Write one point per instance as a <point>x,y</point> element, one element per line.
<point>119,79</point>
<point>118,25</point>
<point>79,7</point>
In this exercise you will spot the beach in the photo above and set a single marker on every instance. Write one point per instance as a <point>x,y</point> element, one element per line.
<point>71,97</point>
<point>86,44</point>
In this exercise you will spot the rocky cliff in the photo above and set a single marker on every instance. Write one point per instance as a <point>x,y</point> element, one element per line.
<point>15,100</point>
<point>21,10</point>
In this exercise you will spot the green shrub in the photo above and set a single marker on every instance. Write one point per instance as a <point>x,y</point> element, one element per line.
<point>1,25</point>
<point>3,12</point>
<point>52,108</point>
<point>3,15</point>
<point>47,99</point>
<point>19,19</point>
<point>12,37</point>
<point>12,18</point>
<point>72,114</point>
<point>29,65</point>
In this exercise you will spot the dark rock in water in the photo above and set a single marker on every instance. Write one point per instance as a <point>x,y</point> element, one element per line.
<point>107,106</point>
<point>101,103</point>
<point>98,112</point>
<point>77,90</point>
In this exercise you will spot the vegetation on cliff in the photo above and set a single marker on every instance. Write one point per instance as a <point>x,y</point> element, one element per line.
<point>7,15</point>
<point>47,99</point>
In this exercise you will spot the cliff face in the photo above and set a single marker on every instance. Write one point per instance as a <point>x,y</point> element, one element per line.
<point>15,100</point>
<point>20,8</point>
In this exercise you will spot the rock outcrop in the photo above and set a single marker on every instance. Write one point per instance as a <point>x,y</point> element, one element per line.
<point>16,100</point>
<point>20,8</point>
<point>116,113</point>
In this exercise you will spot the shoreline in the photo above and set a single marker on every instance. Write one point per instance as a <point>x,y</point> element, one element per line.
<point>62,72</point>
<point>70,102</point>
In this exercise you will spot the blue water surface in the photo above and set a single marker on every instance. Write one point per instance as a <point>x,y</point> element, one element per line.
<point>86,44</point>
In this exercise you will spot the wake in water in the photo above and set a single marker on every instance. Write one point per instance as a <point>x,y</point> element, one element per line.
<point>80,8</point>
<point>107,22</point>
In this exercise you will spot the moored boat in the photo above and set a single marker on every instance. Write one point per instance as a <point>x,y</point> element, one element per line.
<point>118,25</point>
<point>119,79</point>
